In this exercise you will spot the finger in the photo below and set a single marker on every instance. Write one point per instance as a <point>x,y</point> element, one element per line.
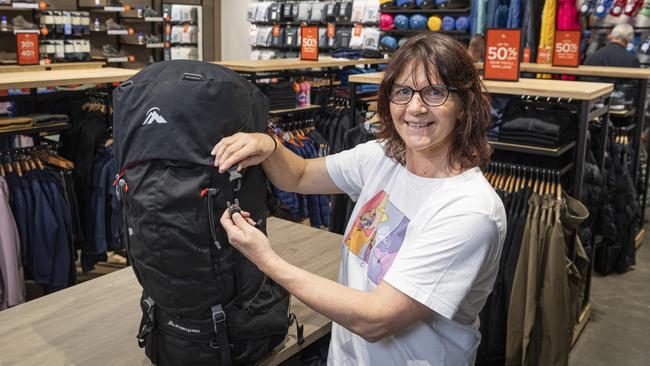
<point>239,221</point>
<point>249,161</point>
<point>250,221</point>
<point>221,145</point>
<point>231,155</point>
<point>228,225</point>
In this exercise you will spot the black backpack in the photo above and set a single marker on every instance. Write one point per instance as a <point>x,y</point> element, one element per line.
<point>203,303</point>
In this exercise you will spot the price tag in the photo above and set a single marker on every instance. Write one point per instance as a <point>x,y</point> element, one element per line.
<point>567,48</point>
<point>309,43</point>
<point>502,54</point>
<point>276,30</point>
<point>526,55</point>
<point>27,48</point>
<point>544,55</point>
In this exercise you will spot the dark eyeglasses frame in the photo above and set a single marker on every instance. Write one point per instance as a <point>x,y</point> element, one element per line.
<point>413,91</point>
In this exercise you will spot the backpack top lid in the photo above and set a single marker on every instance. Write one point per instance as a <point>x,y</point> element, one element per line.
<point>178,110</point>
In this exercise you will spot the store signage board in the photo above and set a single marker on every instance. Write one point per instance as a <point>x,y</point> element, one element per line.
<point>27,48</point>
<point>309,43</point>
<point>502,54</point>
<point>567,49</point>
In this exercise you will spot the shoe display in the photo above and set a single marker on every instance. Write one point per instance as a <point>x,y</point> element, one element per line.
<point>150,38</point>
<point>110,51</point>
<point>19,22</point>
<point>633,6</point>
<point>149,12</point>
<point>603,7</point>
<point>111,25</point>
<point>646,8</point>
<point>618,7</point>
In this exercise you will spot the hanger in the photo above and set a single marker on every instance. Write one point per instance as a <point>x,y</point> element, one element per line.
<point>559,187</point>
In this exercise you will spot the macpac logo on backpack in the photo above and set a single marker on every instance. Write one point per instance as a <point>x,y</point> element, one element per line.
<point>153,117</point>
<point>203,303</point>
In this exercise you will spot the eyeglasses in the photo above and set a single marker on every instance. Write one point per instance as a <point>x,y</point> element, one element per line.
<point>432,95</point>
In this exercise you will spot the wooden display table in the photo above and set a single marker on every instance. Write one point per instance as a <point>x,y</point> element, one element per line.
<point>256,66</point>
<point>95,323</point>
<point>38,79</point>
<point>550,88</point>
<point>61,66</point>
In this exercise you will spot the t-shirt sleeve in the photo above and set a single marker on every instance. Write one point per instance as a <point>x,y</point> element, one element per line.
<point>349,169</point>
<point>439,266</point>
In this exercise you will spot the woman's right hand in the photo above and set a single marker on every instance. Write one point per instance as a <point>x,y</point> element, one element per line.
<point>243,150</point>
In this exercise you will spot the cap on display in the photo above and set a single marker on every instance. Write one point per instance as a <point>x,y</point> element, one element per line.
<point>434,23</point>
<point>426,4</point>
<point>418,21</point>
<point>388,43</point>
<point>387,4</point>
<point>448,23</point>
<point>406,4</point>
<point>386,21</point>
<point>462,23</point>
<point>401,21</point>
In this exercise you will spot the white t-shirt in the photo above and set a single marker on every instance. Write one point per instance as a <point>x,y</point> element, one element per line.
<point>437,240</point>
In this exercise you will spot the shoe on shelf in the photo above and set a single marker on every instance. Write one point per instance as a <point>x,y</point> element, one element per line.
<point>20,22</point>
<point>111,25</point>
<point>646,8</point>
<point>150,38</point>
<point>149,12</point>
<point>110,51</point>
<point>633,6</point>
<point>603,8</point>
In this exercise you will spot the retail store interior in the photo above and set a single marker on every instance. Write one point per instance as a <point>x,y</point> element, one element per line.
<point>94,272</point>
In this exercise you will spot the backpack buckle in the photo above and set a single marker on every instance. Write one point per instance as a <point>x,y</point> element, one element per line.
<point>235,179</point>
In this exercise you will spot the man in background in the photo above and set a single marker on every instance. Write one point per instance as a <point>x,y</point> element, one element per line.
<point>615,52</point>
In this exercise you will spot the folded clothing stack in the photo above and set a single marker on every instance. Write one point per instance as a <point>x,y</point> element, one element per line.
<point>551,130</point>
<point>281,95</point>
<point>39,120</point>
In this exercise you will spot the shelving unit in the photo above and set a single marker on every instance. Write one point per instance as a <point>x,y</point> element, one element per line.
<point>279,112</point>
<point>35,129</point>
<point>427,11</point>
<point>543,151</point>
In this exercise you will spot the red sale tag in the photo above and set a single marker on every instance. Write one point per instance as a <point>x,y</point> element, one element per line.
<point>567,48</point>
<point>544,55</point>
<point>526,55</point>
<point>309,43</point>
<point>276,30</point>
<point>502,54</point>
<point>27,48</point>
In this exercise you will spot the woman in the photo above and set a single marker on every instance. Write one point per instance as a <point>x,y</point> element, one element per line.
<point>421,251</point>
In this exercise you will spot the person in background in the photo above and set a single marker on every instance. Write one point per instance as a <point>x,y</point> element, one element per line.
<point>421,251</point>
<point>615,52</point>
<point>476,48</point>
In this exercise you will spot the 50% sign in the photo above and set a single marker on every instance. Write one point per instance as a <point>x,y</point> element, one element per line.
<point>502,54</point>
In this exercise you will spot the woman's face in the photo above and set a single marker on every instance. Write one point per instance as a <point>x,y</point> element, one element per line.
<point>424,129</point>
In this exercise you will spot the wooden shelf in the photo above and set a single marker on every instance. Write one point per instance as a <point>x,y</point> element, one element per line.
<point>638,240</point>
<point>54,66</point>
<point>622,113</point>
<point>35,129</point>
<point>40,78</point>
<point>426,11</point>
<point>255,66</point>
<point>295,110</point>
<point>410,32</point>
<point>583,70</point>
<point>554,152</point>
<point>579,90</point>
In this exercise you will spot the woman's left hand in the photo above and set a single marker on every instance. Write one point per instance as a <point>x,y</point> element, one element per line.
<point>244,236</point>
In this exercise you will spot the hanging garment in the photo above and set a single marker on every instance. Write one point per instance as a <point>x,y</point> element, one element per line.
<point>12,285</point>
<point>514,14</point>
<point>547,34</point>
<point>531,24</point>
<point>567,15</point>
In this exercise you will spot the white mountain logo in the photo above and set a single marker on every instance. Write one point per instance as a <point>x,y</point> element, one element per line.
<point>153,116</point>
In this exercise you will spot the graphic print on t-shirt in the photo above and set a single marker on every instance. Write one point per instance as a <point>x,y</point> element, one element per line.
<point>377,235</point>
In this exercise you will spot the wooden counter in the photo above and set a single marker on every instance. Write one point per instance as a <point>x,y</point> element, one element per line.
<point>584,70</point>
<point>95,323</point>
<point>536,87</point>
<point>37,79</point>
<point>253,66</point>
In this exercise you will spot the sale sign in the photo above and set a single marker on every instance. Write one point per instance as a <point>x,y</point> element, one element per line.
<point>27,48</point>
<point>309,43</point>
<point>502,54</point>
<point>567,48</point>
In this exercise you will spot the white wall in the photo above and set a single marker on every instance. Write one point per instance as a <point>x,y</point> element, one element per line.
<point>234,30</point>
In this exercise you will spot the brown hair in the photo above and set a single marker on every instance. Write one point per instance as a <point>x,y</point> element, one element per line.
<point>446,58</point>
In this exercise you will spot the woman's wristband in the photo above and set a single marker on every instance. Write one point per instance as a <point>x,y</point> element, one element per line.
<point>275,143</point>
